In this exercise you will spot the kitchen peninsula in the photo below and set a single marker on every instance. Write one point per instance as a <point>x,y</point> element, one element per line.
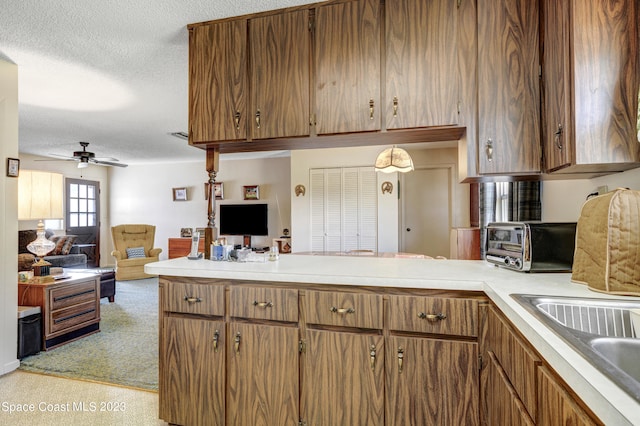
<point>334,340</point>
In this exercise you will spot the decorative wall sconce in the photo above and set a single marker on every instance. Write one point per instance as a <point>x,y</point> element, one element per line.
<point>300,190</point>
<point>387,187</point>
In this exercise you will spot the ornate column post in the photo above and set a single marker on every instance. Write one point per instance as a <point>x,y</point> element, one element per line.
<point>211,232</point>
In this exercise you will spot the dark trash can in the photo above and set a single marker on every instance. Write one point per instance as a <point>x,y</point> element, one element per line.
<point>29,330</point>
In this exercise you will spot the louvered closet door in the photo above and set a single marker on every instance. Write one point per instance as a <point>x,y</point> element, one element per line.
<point>326,208</point>
<point>344,209</point>
<point>360,209</point>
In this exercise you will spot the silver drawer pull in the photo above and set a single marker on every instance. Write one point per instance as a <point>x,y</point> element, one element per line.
<point>192,300</point>
<point>262,304</point>
<point>342,310</point>
<point>432,317</point>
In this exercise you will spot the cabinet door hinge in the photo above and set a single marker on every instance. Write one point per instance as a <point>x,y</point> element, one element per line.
<point>459,106</point>
<point>459,2</point>
<point>480,362</point>
<point>312,24</point>
<point>302,346</point>
<point>302,423</point>
<point>312,120</point>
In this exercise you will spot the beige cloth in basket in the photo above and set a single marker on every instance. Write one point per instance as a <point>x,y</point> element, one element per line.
<point>607,253</point>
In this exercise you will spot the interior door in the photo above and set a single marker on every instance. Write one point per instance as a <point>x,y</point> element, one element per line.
<point>83,217</point>
<point>426,212</point>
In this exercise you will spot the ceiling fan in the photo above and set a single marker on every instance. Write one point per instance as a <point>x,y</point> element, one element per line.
<point>84,158</point>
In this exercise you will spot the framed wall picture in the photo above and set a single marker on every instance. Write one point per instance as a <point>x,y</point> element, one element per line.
<point>251,192</point>
<point>13,167</point>
<point>200,231</point>
<point>186,232</point>
<point>218,190</point>
<point>179,194</point>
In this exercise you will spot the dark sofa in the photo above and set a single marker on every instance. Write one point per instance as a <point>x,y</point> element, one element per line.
<point>64,259</point>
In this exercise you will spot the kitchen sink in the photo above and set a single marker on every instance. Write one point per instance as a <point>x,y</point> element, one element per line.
<point>599,329</point>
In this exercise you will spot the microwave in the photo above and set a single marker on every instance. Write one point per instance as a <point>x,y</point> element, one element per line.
<point>531,246</point>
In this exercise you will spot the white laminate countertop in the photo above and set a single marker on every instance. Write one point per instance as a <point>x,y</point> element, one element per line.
<point>611,404</point>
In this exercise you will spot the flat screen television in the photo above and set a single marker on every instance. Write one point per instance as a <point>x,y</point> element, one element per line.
<point>243,219</point>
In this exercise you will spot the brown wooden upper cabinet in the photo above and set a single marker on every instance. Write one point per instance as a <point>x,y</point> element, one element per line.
<point>347,65</point>
<point>591,75</point>
<point>218,82</point>
<point>279,46</point>
<point>508,87</point>
<point>421,63</point>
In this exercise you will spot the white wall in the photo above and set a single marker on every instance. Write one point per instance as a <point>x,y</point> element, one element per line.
<point>143,194</point>
<point>388,207</point>
<point>562,200</point>
<point>69,169</point>
<point>8,218</point>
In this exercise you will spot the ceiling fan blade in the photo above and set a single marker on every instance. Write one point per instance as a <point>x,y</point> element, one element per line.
<point>65,157</point>
<point>107,163</point>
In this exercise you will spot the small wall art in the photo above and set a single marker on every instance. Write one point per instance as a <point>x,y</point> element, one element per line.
<point>13,167</point>
<point>179,194</point>
<point>251,192</point>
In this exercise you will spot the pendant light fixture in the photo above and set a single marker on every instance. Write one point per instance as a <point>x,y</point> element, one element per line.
<point>394,159</point>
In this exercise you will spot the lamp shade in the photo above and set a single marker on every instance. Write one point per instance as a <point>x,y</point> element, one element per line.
<point>40,195</point>
<point>394,159</point>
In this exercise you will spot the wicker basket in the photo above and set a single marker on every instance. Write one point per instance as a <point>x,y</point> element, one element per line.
<point>607,253</point>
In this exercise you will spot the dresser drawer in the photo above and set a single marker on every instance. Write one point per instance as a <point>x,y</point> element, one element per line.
<point>344,309</point>
<point>192,298</point>
<point>72,294</point>
<point>71,316</point>
<point>278,304</point>
<point>438,315</point>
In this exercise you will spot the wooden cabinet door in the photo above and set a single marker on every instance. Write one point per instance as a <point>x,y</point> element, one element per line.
<point>280,48</point>
<point>557,124</point>
<point>555,405</point>
<point>262,375</point>
<point>192,379</point>
<point>343,380</point>
<point>421,64</point>
<point>501,404</point>
<point>431,382</point>
<point>591,83</point>
<point>347,63</point>
<point>508,87</point>
<point>218,82</point>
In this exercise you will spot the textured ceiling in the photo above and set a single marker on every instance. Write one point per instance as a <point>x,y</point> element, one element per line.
<point>112,73</point>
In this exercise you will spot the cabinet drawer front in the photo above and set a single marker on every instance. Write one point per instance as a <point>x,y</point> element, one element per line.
<point>437,315</point>
<point>191,298</point>
<point>278,304</point>
<point>66,318</point>
<point>344,309</point>
<point>73,294</point>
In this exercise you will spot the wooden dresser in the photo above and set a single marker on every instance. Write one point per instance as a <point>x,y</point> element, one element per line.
<point>180,247</point>
<point>70,307</point>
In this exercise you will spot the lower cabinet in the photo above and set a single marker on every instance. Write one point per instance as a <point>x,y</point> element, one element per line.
<point>518,388</point>
<point>262,374</point>
<point>556,405</point>
<point>192,376</point>
<point>431,381</point>
<point>251,353</point>
<point>343,379</point>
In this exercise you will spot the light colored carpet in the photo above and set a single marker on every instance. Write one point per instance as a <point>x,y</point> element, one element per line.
<point>125,352</point>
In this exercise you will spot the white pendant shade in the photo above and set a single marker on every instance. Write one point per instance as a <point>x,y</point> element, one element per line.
<point>394,159</point>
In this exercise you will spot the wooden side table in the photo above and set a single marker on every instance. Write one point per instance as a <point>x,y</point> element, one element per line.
<point>70,307</point>
<point>180,247</point>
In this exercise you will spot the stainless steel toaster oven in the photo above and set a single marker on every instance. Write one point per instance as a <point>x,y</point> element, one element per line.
<point>531,246</point>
